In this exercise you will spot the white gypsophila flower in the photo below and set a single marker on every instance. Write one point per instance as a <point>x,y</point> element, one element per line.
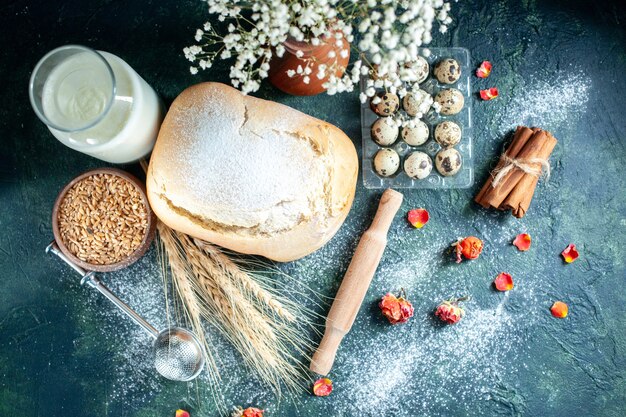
<point>299,53</point>
<point>291,73</point>
<point>193,70</point>
<point>387,32</point>
<point>280,51</point>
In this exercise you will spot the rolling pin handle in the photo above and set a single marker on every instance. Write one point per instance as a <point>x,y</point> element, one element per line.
<point>389,205</point>
<point>324,356</point>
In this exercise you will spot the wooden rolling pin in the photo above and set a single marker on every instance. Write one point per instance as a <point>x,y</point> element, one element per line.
<point>356,282</point>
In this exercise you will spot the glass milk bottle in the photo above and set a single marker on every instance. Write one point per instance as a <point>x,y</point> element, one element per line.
<point>95,103</point>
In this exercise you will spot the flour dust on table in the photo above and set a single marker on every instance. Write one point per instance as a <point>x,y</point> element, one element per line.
<point>546,103</point>
<point>130,373</point>
<point>460,365</point>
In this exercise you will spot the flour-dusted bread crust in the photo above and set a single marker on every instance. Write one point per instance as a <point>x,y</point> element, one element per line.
<point>250,175</point>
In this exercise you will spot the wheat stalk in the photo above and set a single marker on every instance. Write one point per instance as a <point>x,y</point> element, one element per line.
<point>191,308</point>
<point>259,324</point>
<point>264,343</point>
<point>247,283</point>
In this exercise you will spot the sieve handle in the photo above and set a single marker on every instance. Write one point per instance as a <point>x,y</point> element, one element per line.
<point>93,281</point>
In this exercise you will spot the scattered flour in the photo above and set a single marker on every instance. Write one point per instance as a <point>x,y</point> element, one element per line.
<point>419,368</point>
<point>547,104</point>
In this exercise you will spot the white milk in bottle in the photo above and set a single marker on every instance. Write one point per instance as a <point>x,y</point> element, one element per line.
<point>106,111</point>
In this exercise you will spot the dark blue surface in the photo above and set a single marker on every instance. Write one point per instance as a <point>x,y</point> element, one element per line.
<point>558,64</point>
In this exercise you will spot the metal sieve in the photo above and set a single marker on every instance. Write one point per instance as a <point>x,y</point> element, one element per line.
<point>178,354</point>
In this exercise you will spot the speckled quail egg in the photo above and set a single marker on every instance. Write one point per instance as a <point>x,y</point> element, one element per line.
<point>386,162</point>
<point>418,165</point>
<point>385,131</point>
<point>386,104</point>
<point>417,103</point>
<point>415,133</point>
<point>451,101</point>
<point>448,162</point>
<point>447,134</point>
<point>419,69</point>
<point>447,71</point>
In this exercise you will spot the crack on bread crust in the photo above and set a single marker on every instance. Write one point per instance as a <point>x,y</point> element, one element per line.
<point>217,227</point>
<point>315,147</point>
<point>245,117</point>
<point>326,154</point>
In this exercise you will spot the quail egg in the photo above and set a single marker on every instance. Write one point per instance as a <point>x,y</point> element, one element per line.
<point>415,133</point>
<point>447,134</point>
<point>386,162</point>
<point>448,162</point>
<point>447,71</point>
<point>385,131</point>
<point>385,103</point>
<point>417,103</point>
<point>418,165</point>
<point>450,100</point>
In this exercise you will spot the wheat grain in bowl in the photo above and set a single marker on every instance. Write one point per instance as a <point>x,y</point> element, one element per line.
<point>103,219</point>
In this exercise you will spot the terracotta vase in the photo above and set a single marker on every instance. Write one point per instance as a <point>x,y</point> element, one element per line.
<point>315,55</point>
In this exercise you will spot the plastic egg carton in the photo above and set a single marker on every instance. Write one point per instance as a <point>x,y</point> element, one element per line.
<point>465,177</point>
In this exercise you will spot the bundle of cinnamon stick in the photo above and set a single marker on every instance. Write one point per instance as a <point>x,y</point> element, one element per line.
<point>512,182</point>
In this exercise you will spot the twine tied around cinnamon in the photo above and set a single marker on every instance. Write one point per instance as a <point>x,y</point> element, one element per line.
<point>527,165</point>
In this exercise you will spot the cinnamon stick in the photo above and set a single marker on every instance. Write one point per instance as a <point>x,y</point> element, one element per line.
<point>521,136</point>
<point>520,197</point>
<point>531,149</point>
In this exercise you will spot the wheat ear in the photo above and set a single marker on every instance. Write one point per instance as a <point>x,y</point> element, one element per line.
<point>248,284</point>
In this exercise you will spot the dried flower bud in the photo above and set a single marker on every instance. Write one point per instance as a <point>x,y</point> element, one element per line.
<point>484,70</point>
<point>248,412</point>
<point>449,311</point>
<point>418,217</point>
<point>468,248</point>
<point>489,93</point>
<point>182,413</point>
<point>396,309</point>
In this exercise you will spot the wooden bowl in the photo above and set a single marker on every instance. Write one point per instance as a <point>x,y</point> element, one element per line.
<point>141,249</point>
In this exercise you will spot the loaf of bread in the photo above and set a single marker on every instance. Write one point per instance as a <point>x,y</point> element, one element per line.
<point>251,175</point>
